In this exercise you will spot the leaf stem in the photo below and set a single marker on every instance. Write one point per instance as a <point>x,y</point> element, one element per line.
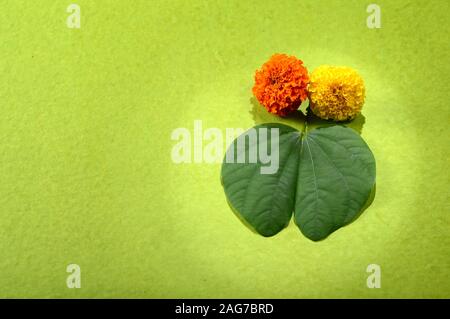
<point>305,127</point>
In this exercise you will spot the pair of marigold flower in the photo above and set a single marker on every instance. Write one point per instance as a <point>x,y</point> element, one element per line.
<point>283,83</point>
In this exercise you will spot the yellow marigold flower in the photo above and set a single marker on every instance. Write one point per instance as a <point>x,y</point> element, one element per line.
<point>336,93</point>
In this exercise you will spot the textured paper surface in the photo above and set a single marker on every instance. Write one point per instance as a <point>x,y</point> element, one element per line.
<point>86,174</point>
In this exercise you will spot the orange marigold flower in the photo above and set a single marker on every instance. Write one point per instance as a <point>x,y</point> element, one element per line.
<point>281,83</point>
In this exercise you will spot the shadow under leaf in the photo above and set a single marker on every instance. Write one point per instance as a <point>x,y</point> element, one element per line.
<point>367,204</point>
<point>260,116</point>
<point>242,219</point>
<point>298,119</point>
<point>315,122</point>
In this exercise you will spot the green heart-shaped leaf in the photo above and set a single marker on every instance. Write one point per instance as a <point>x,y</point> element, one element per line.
<point>263,197</point>
<point>336,175</point>
<point>326,175</point>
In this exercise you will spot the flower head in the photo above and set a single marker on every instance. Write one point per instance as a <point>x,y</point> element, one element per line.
<point>280,84</point>
<point>336,93</point>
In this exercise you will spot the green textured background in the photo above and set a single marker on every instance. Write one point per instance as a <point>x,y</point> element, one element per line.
<point>86,175</point>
